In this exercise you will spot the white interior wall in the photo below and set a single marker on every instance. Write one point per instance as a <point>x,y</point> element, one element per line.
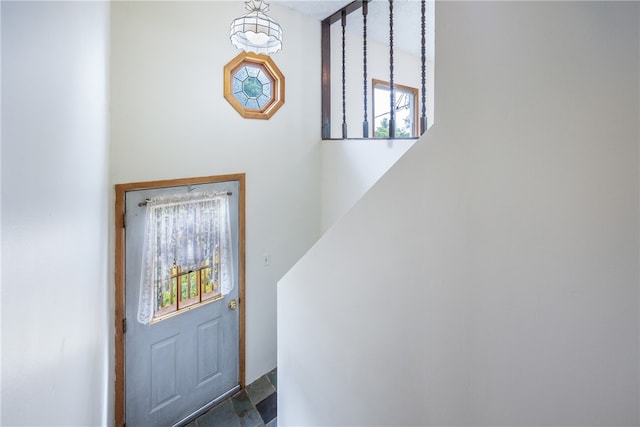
<point>491,276</point>
<point>54,214</point>
<point>350,168</point>
<point>169,120</point>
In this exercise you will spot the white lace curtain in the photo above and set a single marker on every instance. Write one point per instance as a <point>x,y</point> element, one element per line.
<point>185,229</point>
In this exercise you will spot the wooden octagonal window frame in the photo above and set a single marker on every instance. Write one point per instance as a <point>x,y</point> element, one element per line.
<point>268,67</point>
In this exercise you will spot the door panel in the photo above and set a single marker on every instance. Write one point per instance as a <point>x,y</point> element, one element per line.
<point>209,351</point>
<point>164,388</point>
<point>180,364</point>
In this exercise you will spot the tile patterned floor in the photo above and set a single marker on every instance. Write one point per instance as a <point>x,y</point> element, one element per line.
<point>255,406</point>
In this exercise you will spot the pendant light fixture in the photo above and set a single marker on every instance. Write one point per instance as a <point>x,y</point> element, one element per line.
<point>256,32</point>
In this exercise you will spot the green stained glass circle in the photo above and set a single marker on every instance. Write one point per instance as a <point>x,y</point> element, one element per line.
<point>252,87</point>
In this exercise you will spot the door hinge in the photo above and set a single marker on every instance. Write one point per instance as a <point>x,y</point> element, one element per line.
<point>124,220</point>
<point>124,325</point>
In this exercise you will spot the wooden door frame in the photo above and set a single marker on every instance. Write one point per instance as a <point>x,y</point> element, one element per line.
<point>121,190</point>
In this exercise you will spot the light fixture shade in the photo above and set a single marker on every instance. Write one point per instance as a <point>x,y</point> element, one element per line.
<point>255,31</point>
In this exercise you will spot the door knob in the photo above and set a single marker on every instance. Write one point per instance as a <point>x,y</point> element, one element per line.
<point>233,304</point>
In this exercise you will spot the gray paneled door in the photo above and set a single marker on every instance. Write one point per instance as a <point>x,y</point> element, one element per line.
<point>182,364</point>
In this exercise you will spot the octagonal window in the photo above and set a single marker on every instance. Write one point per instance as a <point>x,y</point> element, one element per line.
<point>254,86</point>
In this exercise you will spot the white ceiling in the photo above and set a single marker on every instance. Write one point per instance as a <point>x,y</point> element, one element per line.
<point>406,27</point>
<point>314,8</point>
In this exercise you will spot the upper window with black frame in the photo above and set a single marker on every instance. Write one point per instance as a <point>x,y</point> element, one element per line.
<point>405,110</point>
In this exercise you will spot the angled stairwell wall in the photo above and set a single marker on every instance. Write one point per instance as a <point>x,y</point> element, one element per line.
<point>350,168</point>
<point>491,276</point>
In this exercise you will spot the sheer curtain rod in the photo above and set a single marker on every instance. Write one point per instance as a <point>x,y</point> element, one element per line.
<point>222,193</point>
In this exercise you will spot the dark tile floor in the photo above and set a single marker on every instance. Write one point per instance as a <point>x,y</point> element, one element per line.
<point>255,406</point>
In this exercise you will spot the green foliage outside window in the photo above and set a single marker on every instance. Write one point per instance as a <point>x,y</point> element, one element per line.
<point>382,131</point>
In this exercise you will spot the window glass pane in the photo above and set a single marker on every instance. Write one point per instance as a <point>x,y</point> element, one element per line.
<point>193,284</point>
<point>184,287</point>
<point>205,279</point>
<point>166,298</point>
<point>252,104</point>
<point>174,290</point>
<point>405,100</point>
<point>381,109</point>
